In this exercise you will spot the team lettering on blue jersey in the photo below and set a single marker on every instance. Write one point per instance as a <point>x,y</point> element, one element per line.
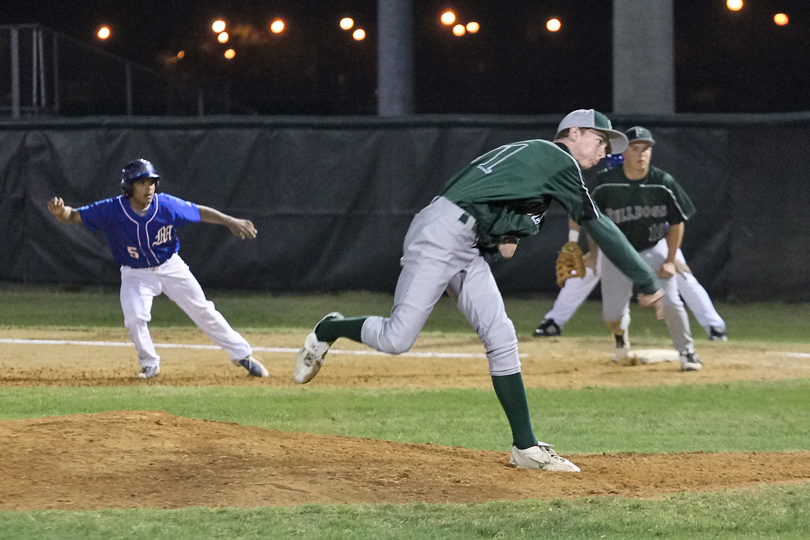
<point>140,241</point>
<point>164,235</point>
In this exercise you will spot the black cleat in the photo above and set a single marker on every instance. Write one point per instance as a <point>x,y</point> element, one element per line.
<point>717,333</point>
<point>547,328</point>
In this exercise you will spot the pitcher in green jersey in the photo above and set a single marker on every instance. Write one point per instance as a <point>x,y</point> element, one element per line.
<point>484,210</point>
<point>650,208</point>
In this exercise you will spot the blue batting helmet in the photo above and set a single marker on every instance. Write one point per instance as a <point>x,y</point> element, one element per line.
<point>613,159</point>
<point>135,170</point>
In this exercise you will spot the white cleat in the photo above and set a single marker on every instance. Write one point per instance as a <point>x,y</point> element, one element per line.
<point>309,360</point>
<point>253,366</point>
<point>541,457</point>
<point>690,361</point>
<point>148,372</point>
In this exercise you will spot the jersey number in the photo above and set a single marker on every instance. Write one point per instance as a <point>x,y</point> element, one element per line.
<point>501,154</point>
<point>133,252</point>
<point>658,231</point>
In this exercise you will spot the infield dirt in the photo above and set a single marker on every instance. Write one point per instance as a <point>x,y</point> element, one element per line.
<point>151,459</point>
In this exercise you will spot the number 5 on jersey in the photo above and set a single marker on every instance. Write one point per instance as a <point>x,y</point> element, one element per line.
<point>133,252</point>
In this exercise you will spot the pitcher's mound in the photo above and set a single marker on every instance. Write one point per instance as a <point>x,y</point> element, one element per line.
<point>136,459</point>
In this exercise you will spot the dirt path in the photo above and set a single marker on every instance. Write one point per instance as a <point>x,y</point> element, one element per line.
<point>150,459</point>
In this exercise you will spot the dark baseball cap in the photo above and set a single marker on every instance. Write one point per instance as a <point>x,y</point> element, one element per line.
<point>638,133</point>
<point>589,118</point>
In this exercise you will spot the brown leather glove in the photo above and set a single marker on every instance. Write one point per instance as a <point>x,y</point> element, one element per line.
<point>569,263</point>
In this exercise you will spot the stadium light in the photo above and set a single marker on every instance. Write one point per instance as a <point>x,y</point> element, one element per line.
<point>359,34</point>
<point>346,23</point>
<point>223,37</point>
<point>734,5</point>
<point>447,18</point>
<point>103,32</point>
<point>277,26</point>
<point>781,19</point>
<point>553,25</point>
<point>473,27</point>
<point>218,26</point>
<point>229,54</point>
<point>459,30</point>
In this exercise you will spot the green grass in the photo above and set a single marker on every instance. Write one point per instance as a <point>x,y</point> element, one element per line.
<point>761,512</point>
<point>28,306</point>
<point>750,417</point>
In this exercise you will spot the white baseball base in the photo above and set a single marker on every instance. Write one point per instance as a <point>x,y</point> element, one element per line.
<point>652,356</point>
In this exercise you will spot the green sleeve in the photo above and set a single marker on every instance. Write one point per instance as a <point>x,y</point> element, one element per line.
<point>681,198</point>
<point>512,224</point>
<point>493,222</point>
<point>616,248</point>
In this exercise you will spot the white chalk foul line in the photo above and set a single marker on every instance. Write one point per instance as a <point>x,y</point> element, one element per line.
<point>791,354</point>
<point>281,350</point>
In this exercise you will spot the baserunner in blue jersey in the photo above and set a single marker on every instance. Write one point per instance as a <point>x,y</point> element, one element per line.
<point>140,227</point>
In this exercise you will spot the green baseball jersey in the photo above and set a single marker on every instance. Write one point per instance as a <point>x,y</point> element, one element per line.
<point>509,189</point>
<point>642,209</point>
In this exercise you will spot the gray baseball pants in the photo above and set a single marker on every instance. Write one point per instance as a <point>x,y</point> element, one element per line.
<point>439,255</point>
<point>617,289</point>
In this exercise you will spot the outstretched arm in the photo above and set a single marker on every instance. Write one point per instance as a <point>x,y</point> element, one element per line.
<point>241,228</point>
<point>65,214</point>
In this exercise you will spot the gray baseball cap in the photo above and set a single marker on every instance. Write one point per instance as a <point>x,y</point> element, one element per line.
<point>589,118</point>
<point>638,133</point>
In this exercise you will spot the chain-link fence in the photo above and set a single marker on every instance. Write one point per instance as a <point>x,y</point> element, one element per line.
<point>51,74</point>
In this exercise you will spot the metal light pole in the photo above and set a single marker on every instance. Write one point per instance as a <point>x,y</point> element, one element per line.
<point>395,78</point>
<point>643,57</point>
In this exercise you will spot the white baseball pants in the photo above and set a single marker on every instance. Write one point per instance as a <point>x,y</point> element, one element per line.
<point>617,289</point>
<point>440,255</point>
<point>576,291</point>
<point>140,285</point>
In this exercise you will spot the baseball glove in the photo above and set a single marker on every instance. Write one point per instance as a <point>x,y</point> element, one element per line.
<point>569,263</point>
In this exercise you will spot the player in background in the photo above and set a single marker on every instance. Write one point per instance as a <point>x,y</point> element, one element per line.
<point>484,210</point>
<point>140,227</point>
<point>576,290</point>
<point>651,209</point>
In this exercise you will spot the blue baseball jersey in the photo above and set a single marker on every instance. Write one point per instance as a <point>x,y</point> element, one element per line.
<point>140,241</point>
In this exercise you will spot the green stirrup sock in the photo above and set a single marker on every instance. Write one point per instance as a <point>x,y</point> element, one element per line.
<point>512,395</point>
<point>331,329</point>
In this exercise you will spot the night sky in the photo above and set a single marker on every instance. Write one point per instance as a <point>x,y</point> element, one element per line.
<point>725,62</point>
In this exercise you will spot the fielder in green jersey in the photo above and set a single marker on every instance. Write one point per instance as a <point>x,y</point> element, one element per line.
<point>485,209</point>
<point>643,209</point>
<point>650,208</point>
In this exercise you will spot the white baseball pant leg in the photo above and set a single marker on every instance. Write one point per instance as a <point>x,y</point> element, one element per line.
<point>698,300</point>
<point>440,249</point>
<point>573,293</point>
<point>180,285</point>
<point>617,290</point>
<point>138,287</point>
